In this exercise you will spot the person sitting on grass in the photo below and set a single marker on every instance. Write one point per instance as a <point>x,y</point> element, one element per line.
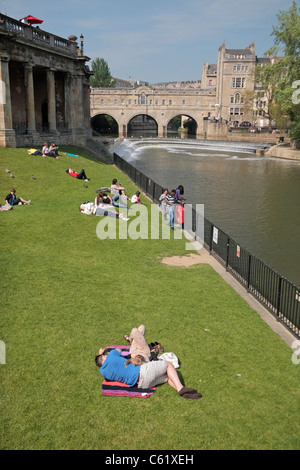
<point>12,200</point>
<point>47,153</point>
<point>118,192</point>
<point>102,198</point>
<point>53,149</point>
<point>135,199</point>
<point>79,176</point>
<point>149,374</point>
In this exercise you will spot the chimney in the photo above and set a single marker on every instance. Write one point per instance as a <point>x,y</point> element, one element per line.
<point>252,48</point>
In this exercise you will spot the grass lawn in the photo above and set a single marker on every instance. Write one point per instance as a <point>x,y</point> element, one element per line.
<point>65,293</point>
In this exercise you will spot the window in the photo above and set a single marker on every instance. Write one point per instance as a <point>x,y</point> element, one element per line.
<point>170,102</point>
<point>231,111</point>
<point>239,67</point>
<point>237,98</point>
<point>116,101</point>
<point>183,102</point>
<point>102,101</point>
<point>234,68</point>
<point>197,102</point>
<point>156,101</point>
<point>210,82</point>
<point>163,102</point>
<point>129,101</point>
<point>238,82</point>
<point>236,111</point>
<point>232,99</point>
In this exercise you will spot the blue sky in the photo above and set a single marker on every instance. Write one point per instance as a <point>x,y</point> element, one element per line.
<point>159,40</point>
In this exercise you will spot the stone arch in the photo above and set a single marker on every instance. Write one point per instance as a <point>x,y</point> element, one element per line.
<point>105,123</point>
<point>193,128</point>
<point>142,122</point>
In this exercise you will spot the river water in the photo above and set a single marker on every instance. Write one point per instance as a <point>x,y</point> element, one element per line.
<point>253,199</point>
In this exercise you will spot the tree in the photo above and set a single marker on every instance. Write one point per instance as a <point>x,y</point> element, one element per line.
<point>280,76</point>
<point>102,76</point>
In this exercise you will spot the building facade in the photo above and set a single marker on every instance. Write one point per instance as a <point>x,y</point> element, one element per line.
<point>239,97</point>
<point>45,92</point>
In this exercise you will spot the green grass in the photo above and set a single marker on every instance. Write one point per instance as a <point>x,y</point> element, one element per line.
<point>65,293</point>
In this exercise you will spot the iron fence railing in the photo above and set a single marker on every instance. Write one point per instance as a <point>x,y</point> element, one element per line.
<point>276,293</point>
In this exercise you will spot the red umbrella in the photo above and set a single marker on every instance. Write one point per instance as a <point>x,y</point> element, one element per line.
<point>31,20</point>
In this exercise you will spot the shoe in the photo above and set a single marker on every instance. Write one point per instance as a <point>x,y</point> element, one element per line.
<point>86,180</point>
<point>125,218</point>
<point>29,202</point>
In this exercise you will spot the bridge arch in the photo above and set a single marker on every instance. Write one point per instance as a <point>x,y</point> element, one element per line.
<point>187,121</point>
<point>105,123</point>
<point>142,123</point>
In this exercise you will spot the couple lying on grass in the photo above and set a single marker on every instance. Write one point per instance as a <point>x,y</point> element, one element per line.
<point>147,373</point>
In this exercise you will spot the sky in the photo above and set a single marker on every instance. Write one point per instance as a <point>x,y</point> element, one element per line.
<point>160,40</point>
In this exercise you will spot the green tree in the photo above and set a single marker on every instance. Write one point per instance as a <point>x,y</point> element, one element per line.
<point>102,76</point>
<point>280,75</point>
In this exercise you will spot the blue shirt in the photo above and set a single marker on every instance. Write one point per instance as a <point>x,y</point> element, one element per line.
<point>114,369</point>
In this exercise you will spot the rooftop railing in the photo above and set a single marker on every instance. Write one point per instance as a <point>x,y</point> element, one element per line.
<point>29,33</point>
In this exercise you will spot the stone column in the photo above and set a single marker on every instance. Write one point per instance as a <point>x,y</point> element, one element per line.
<point>30,98</point>
<point>7,134</point>
<point>51,100</point>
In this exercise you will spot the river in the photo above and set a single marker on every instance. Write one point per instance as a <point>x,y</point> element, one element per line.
<point>253,199</point>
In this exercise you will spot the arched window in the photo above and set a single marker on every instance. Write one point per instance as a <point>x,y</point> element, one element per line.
<point>237,98</point>
<point>143,99</point>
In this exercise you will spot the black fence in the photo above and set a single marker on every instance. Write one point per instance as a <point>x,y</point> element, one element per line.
<point>278,295</point>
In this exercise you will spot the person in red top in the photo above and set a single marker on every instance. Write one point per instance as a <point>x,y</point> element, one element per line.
<point>79,176</point>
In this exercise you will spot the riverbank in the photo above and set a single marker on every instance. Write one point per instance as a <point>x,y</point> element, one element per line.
<point>280,151</point>
<point>72,293</point>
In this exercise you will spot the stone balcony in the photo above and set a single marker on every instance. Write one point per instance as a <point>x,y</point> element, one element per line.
<point>25,33</point>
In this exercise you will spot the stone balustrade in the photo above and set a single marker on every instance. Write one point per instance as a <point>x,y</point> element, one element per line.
<point>37,35</point>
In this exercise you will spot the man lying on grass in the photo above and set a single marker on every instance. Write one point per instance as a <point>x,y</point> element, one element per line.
<point>114,367</point>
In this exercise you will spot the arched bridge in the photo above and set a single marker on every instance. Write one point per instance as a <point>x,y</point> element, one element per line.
<point>162,105</point>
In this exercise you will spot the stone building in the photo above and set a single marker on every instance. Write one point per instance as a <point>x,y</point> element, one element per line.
<point>45,92</point>
<point>239,97</point>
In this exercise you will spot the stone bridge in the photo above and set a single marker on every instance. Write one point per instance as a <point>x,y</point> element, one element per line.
<point>162,105</point>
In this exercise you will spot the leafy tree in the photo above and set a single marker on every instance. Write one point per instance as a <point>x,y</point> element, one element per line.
<point>280,75</point>
<point>102,76</point>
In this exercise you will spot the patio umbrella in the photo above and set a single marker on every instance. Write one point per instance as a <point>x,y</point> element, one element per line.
<point>32,20</point>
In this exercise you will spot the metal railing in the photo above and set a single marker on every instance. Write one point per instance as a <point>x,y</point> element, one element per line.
<point>276,293</point>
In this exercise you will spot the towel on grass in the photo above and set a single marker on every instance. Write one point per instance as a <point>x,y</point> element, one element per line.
<point>118,389</point>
